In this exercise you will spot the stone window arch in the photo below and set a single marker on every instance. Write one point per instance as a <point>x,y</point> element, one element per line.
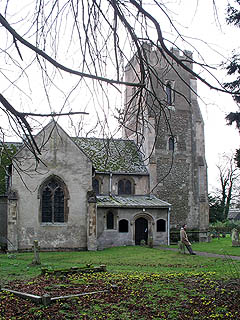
<point>161,225</point>
<point>125,186</point>
<point>169,90</point>
<point>123,225</point>
<point>54,197</point>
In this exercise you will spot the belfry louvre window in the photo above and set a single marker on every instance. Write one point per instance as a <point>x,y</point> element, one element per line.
<point>53,202</point>
<point>124,187</point>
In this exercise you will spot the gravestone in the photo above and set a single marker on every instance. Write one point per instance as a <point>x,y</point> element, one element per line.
<point>36,259</point>
<point>235,238</point>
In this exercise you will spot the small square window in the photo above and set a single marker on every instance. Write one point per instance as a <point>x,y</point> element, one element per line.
<point>161,225</point>
<point>123,225</point>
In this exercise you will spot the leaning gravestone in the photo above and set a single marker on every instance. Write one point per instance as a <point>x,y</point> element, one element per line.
<point>235,238</point>
<point>36,259</point>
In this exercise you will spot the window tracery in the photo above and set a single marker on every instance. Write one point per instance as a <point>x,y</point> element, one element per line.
<point>124,187</point>
<point>53,202</point>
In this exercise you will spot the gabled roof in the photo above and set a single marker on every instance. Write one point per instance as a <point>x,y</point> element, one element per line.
<point>113,155</point>
<point>118,156</point>
<point>148,201</point>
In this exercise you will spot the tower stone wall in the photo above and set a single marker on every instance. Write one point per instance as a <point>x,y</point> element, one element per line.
<point>172,135</point>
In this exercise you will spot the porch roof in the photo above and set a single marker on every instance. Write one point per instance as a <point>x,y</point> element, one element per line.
<point>147,201</point>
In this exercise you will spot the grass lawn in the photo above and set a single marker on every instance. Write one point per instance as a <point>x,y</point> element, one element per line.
<point>219,246</point>
<point>151,284</point>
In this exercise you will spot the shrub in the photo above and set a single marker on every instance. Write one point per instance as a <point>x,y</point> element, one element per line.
<point>222,228</point>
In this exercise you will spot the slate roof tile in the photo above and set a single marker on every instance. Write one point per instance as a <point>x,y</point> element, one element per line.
<point>132,201</point>
<point>113,155</point>
<point>109,155</point>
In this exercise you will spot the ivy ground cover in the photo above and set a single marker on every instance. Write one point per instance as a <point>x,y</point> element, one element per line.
<point>141,283</point>
<point>129,296</point>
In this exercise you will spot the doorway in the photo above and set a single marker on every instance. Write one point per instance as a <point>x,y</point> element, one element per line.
<point>141,230</point>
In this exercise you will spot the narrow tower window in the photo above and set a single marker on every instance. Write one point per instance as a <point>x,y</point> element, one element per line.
<point>171,144</point>
<point>169,93</point>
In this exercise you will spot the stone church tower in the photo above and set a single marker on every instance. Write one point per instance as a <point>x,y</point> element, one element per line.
<point>170,130</point>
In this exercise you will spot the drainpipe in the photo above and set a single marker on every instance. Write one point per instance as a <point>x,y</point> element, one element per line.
<point>168,240</point>
<point>110,183</point>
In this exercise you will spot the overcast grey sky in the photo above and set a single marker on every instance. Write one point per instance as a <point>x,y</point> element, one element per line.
<point>206,31</point>
<point>220,40</point>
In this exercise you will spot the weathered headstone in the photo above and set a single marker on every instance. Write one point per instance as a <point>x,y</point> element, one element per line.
<point>235,238</point>
<point>36,259</point>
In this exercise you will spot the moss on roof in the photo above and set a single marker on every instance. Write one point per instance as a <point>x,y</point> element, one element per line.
<point>147,201</point>
<point>109,155</point>
<point>113,155</point>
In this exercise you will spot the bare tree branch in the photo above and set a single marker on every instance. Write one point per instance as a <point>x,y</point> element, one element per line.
<point>4,23</point>
<point>25,114</point>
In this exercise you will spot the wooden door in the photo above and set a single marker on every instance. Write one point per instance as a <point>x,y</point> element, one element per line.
<point>141,230</point>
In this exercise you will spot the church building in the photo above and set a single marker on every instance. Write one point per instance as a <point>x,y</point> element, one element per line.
<point>93,193</point>
<point>85,193</point>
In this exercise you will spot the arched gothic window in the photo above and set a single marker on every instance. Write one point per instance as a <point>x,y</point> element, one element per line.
<point>124,187</point>
<point>96,186</point>
<point>161,225</point>
<point>171,144</point>
<point>110,220</point>
<point>53,202</point>
<point>169,93</point>
<point>123,225</point>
